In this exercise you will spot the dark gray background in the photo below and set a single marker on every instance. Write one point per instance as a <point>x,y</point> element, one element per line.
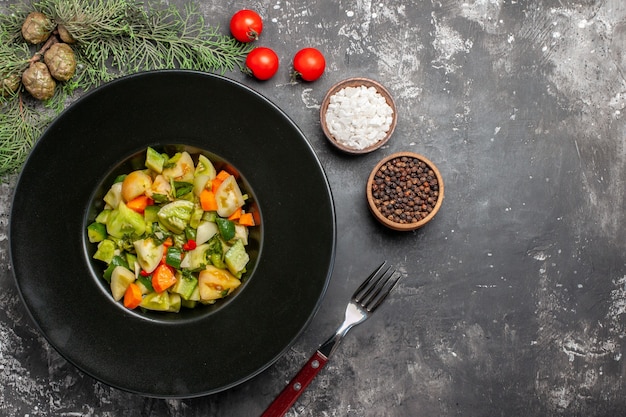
<point>514,298</point>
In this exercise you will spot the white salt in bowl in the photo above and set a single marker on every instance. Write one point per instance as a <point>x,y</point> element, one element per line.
<point>358,115</point>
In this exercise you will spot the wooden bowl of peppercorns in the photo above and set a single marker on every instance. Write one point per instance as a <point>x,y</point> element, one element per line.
<point>405,191</point>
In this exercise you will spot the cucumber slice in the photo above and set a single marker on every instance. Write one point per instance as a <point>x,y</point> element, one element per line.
<point>236,258</point>
<point>96,232</point>
<point>155,161</point>
<point>185,286</point>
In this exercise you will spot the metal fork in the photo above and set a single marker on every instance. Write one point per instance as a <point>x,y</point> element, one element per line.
<point>365,300</point>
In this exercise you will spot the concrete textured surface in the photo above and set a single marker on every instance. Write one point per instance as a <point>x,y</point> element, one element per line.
<point>514,299</point>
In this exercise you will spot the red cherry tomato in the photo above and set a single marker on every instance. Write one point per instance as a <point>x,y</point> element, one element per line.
<point>246,25</point>
<point>309,64</point>
<point>262,63</point>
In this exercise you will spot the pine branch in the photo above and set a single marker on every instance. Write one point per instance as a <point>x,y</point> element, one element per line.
<point>25,127</point>
<point>113,38</point>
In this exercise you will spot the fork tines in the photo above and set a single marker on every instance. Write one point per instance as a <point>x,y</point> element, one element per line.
<point>376,287</point>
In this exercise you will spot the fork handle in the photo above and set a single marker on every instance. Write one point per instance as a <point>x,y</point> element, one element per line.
<point>296,386</point>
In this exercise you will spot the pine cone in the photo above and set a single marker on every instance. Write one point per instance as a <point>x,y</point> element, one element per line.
<point>38,81</point>
<point>37,28</point>
<point>65,35</point>
<point>9,84</point>
<point>61,61</point>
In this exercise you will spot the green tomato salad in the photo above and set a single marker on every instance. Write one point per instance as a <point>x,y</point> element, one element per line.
<point>174,234</point>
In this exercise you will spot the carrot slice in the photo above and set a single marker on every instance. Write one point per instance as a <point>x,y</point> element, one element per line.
<point>246,219</point>
<point>132,296</point>
<point>163,277</point>
<point>140,203</point>
<point>222,175</point>
<point>215,184</point>
<point>208,201</point>
<point>218,180</point>
<point>236,214</point>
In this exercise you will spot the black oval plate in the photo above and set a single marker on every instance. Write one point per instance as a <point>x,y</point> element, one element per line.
<point>172,356</point>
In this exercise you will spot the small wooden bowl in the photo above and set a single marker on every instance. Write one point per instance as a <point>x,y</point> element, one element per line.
<point>414,196</point>
<point>356,82</point>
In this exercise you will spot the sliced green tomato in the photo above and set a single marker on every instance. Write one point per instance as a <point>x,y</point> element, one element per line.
<point>125,221</point>
<point>149,254</point>
<point>161,191</point>
<point>106,251</point>
<point>183,168</point>
<point>228,197</point>
<point>205,167</point>
<point>200,183</point>
<point>205,231</point>
<point>163,301</point>
<point>176,215</point>
<point>121,278</point>
<point>216,283</point>
<point>114,195</point>
<point>158,301</point>
<point>196,258</point>
<point>241,233</point>
<point>103,216</point>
